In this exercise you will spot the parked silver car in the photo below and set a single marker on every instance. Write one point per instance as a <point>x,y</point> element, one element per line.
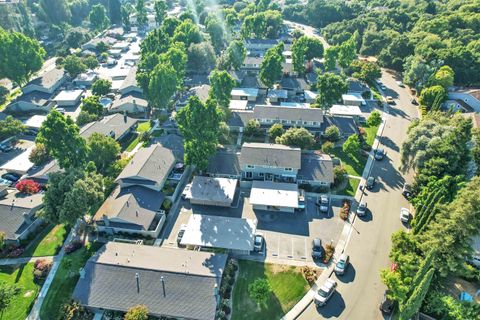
<point>362,209</point>
<point>322,203</point>
<point>342,264</point>
<point>325,292</point>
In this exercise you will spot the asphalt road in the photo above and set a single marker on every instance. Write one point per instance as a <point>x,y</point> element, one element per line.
<point>360,291</point>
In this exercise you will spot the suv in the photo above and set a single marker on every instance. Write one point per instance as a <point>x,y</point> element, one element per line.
<point>13,177</point>
<point>325,292</point>
<point>322,203</point>
<point>386,306</point>
<point>342,264</point>
<point>370,183</point>
<point>379,154</point>
<point>362,209</point>
<point>317,249</point>
<point>258,242</point>
<point>407,190</point>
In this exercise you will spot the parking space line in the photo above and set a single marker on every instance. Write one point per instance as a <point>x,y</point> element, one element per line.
<point>304,257</point>
<point>291,256</point>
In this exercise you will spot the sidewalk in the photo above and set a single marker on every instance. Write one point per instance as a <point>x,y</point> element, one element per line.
<point>35,312</point>
<point>23,260</point>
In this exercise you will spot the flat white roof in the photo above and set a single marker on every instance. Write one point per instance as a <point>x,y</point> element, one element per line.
<point>121,45</point>
<point>238,104</point>
<point>20,163</point>
<point>35,121</point>
<point>352,97</point>
<point>249,92</point>
<point>68,95</point>
<point>267,193</point>
<point>212,189</point>
<point>339,109</point>
<point>219,232</point>
<point>295,104</point>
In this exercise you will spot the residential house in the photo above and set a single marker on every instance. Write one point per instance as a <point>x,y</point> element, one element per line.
<point>130,84</point>
<point>68,98</point>
<point>289,116</point>
<point>345,110</point>
<point>274,196</point>
<point>34,101</point>
<point>129,104</point>
<point>93,43</point>
<point>171,283</point>
<point>34,122</point>
<point>294,86</point>
<point>357,86</point>
<point>17,214</point>
<point>353,99</point>
<point>86,79</point>
<point>271,162</point>
<point>316,170</point>
<point>224,164</point>
<point>470,96</point>
<point>252,65</point>
<point>135,205</point>
<point>249,94</point>
<point>174,143</point>
<point>277,95</point>
<point>259,44</point>
<point>49,82</point>
<point>117,126</point>
<point>21,164</point>
<point>200,91</point>
<point>310,96</point>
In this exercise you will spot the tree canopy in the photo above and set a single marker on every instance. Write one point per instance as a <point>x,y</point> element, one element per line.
<point>221,85</point>
<point>330,89</point>
<point>271,69</point>
<point>305,48</point>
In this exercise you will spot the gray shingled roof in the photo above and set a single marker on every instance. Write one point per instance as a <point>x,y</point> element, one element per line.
<point>316,168</point>
<point>173,142</point>
<point>130,79</point>
<point>41,173</point>
<point>346,124</point>
<point>189,279</point>
<point>129,99</point>
<point>288,113</point>
<point>265,154</point>
<point>224,163</point>
<point>135,206</point>
<point>48,79</point>
<point>116,124</point>
<point>240,118</point>
<point>151,164</point>
<point>35,97</point>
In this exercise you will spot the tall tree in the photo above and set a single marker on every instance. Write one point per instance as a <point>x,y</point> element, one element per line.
<point>201,57</point>
<point>56,11</point>
<point>141,13</point>
<point>160,8</point>
<point>415,301</point>
<point>216,32</point>
<point>236,53</point>
<point>102,150</point>
<point>20,56</point>
<point>221,85</point>
<point>351,146</point>
<point>430,94</point>
<point>199,125</point>
<point>98,17</point>
<point>101,87</point>
<point>444,77</point>
<point>305,48</point>
<point>330,89</point>
<point>347,52</point>
<point>92,105</point>
<point>365,70</point>
<point>162,85</point>
<point>61,138</point>
<point>10,127</point>
<point>331,57</point>
<point>74,65</point>
<point>271,69</point>
<point>115,11</point>
<point>176,56</point>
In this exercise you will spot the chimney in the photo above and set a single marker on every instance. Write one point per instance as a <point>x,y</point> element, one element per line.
<point>137,278</point>
<point>163,286</point>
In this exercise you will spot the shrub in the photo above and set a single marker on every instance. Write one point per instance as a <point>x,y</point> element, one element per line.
<point>28,186</point>
<point>138,312</point>
<point>332,133</point>
<point>310,275</point>
<point>329,250</point>
<point>221,315</point>
<point>41,268</point>
<point>374,119</point>
<point>345,210</point>
<point>339,175</point>
<point>166,205</point>
<point>74,311</point>
<point>259,290</point>
<point>327,147</point>
<point>253,128</point>
<point>39,154</point>
<point>275,131</point>
<point>73,246</point>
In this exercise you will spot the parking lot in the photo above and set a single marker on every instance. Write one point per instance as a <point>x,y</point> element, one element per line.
<point>288,236</point>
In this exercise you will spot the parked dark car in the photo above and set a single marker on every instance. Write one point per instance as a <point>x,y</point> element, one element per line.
<point>370,183</point>
<point>6,147</point>
<point>407,190</point>
<point>387,305</point>
<point>73,246</point>
<point>11,176</point>
<point>379,154</point>
<point>414,101</point>
<point>317,249</point>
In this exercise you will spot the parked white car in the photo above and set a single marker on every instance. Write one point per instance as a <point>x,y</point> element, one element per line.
<point>325,292</point>
<point>405,215</point>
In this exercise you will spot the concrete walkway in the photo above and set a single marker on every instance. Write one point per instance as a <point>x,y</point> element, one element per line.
<point>23,260</point>
<point>35,312</point>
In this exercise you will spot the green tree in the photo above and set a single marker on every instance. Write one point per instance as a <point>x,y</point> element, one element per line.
<point>201,57</point>
<point>56,11</point>
<point>92,105</point>
<point>330,89</point>
<point>98,17</point>
<point>115,11</point>
<point>417,72</point>
<point>177,58</point>
<point>39,154</point>
<point>8,292</point>
<point>374,119</point>
<point>347,52</point>
<point>91,62</point>
<point>296,137</point>
<point>76,36</point>
<point>20,56</point>
<point>4,92</point>
<point>475,148</point>
<point>305,48</point>
<point>102,150</point>
<point>331,57</point>
<point>126,11</point>
<point>141,13</point>
<point>339,172</point>
<point>138,312</point>
<point>10,127</point>
<point>61,138</point>
<point>236,53</point>
<point>160,8</point>
<point>351,146</point>
<point>253,128</point>
<point>75,311</point>
<point>443,77</point>
<point>162,85</point>
<point>2,240</point>
<point>414,302</point>
<point>188,33</point>
<point>259,290</point>
<point>216,32</point>
<point>101,87</point>
<point>276,130</point>
<point>365,70</point>
<point>74,65</point>
<point>327,147</point>
<point>85,117</point>
<point>199,125</point>
<point>332,133</point>
<point>221,85</point>
<point>431,94</point>
<point>271,68</point>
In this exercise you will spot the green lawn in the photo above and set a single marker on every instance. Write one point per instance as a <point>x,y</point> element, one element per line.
<point>48,242</point>
<point>12,95</point>
<point>287,284</point>
<point>370,134</point>
<point>351,187</point>
<point>135,138</point>
<point>22,303</point>
<point>354,166</point>
<point>144,126</point>
<point>64,282</point>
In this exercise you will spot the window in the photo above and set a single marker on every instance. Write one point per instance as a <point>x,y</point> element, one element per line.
<point>250,166</point>
<point>315,123</point>
<point>261,174</point>
<point>288,169</point>
<point>248,175</point>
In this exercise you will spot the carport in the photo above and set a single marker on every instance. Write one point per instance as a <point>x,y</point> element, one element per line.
<point>274,196</point>
<point>232,234</point>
